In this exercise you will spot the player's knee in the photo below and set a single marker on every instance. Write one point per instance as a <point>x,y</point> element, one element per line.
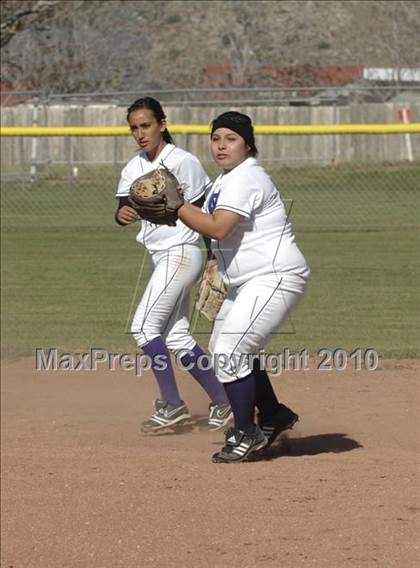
<point>142,336</point>
<point>178,342</point>
<point>141,340</point>
<point>229,365</point>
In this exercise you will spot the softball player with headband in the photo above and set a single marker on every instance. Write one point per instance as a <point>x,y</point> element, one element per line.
<point>161,323</point>
<point>267,275</point>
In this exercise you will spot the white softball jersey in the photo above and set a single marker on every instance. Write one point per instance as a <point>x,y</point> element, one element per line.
<point>264,242</point>
<point>265,270</point>
<point>194,181</point>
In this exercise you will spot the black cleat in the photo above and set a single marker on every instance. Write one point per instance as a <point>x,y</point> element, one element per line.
<point>283,420</point>
<point>166,415</point>
<point>219,415</point>
<point>239,445</point>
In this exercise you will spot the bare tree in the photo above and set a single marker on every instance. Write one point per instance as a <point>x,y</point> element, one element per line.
<point>400,38</point>
<point>72,49</point>
<point>85,45</point>
<point>17,16</point>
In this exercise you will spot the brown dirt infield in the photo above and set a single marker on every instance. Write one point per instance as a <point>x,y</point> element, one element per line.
<point>82,487</point>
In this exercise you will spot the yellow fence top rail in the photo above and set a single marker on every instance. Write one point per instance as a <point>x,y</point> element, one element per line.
<point>205,129</point>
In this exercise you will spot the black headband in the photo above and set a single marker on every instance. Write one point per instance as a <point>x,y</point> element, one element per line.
<point>239,123</point>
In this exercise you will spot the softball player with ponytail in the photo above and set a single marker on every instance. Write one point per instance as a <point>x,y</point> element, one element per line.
<point>161,323</point>
<point>267,275</point>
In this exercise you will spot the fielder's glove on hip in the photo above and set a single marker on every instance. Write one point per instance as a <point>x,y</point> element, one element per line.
<point>212,292</point>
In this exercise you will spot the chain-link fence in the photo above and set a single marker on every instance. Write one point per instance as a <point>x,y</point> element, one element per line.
<point>321,196</point>
<point>69,271</point>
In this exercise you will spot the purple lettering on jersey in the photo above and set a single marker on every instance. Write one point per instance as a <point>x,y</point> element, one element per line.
<point>213,201</point>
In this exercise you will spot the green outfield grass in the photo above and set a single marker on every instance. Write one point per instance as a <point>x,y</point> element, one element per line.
<point>69,274</point>
<point>320,198</point>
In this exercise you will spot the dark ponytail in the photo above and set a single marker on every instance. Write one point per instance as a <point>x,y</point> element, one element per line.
<point>157,110</point>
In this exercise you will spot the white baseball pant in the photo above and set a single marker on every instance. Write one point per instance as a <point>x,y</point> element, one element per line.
<point>247,319</point>
<point>164,307</point>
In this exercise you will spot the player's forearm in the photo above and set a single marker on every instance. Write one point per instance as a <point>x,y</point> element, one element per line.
<point>202,223</point>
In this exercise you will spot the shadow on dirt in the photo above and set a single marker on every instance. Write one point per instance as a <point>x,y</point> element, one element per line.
<point>307,446</point>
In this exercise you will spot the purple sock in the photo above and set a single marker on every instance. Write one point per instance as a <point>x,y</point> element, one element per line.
<point>205,377</point>
<point>266,399</point>
<point>241,394</point>
<point>162,369</point>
